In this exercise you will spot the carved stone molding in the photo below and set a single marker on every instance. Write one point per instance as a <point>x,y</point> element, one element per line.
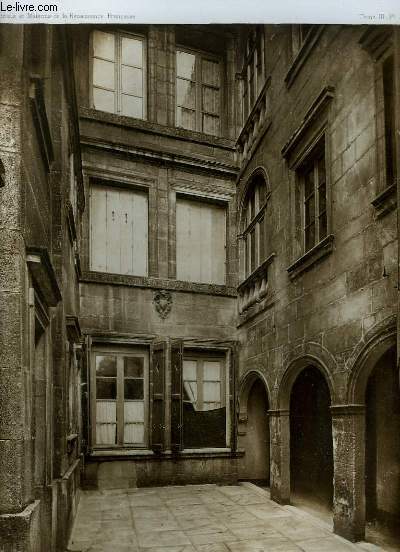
<point>163,302</point>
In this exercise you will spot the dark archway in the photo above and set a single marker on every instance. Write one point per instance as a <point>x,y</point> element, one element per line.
<point>254,437</point>
<point>311,451</point>
<point>382,444</point>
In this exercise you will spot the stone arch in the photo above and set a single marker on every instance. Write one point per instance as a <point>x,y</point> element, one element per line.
<point>310,354</point>
<point>376,342</point>
<point>246,383</point>
<point>253,428</point>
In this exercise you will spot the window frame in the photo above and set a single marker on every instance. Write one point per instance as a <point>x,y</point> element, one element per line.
<point>122,185</point>
<point>311,162</point>
<point>200,54</point>
<point>255,42</point>
<point>118,35</point>
<point>256,224</point>
<point>120,352</point>
<point>201,355</point>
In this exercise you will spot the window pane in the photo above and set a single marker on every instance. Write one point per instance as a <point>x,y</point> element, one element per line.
<point>309,210</point>
<point>134,411</point>
<point>106,388</point>
<point>106,365</point>
<point>186,118</point>
<point>132,80</point>
<point>253,250</point>
<point>104,45</point>
<point>210,100</point>
<point>133,389</point>
<point>134,433</point>
<point>185,93</point>
<point>211,391</point>
<point>322,198</point>
<point>190,370</point>
<point>211,125</point>
<point>310,236</point>
<point>133,367</point>
<point>210,72</point>
<point>211,371</point>
<point>104,73</point>
<point>132,51</point>
<point>106,411</point>
<point>132,106</point>
<point>262,240</point>
<point>106,434</point>
<point>190,392</point>
<point>103,100</point>
<point>185,65</point>
<point>323,229</point>
<point>309,182</point>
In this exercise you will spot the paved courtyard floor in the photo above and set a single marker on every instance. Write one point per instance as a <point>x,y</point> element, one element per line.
<point>198,518</point>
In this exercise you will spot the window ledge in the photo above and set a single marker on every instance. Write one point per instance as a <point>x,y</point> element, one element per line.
<point>309,259</point>
<point>302,55</point>
<point>157,283</point>
<point>254,291</point>
<point>386,201</point>
<point>164,456</point>
<point>155,128</point>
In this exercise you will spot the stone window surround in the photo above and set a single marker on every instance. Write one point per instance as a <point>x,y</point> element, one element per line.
<point>303,53</point>
<point>152,280</point>
<point>298,148</point>
<point>378,43</point>
<point>109,340</point>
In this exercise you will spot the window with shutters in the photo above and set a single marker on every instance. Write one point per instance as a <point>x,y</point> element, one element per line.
<point>119,395</point>
<point>198,92</point>
<point>118,69</point>
<point>254,224</point>
<point>311,181</point>
<point>205,388</point>
<point>118,230</point>
<point>200,241</point>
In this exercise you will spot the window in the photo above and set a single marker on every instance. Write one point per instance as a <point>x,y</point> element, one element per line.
<point>119,398</point>
<point>254,70</point>
<point>200,241</point>
<point>312,179</point>
<point>118,73</point>
<point>198,92</point>
<point>204,401</point>
<point>118,230</point>
<point>254,223</point>
<point>390,119</point>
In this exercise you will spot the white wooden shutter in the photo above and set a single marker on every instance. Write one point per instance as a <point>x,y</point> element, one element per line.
<point>119,234</point>
<point>200,242</point>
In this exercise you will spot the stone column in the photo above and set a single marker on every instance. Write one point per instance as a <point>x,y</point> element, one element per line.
<point>348,431</point>
<point>279,427</point>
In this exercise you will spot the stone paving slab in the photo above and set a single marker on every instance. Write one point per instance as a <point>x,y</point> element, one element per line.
<point>197,518</point>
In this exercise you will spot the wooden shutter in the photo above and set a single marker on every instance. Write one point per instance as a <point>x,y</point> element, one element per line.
<point>234,358</point>
<point>176,396</point>
<point>85,402</point>
<point>157,396</point>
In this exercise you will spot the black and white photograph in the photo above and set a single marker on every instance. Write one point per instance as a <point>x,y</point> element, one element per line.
<point>199,283</point>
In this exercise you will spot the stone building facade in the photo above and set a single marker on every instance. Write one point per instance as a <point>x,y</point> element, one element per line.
<point>235,242</point>
<point>41,348</point>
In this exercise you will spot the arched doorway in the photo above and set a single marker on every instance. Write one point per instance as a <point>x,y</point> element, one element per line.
<point>311,451</point>
<point>254,433</point>
<point>382,448</point>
